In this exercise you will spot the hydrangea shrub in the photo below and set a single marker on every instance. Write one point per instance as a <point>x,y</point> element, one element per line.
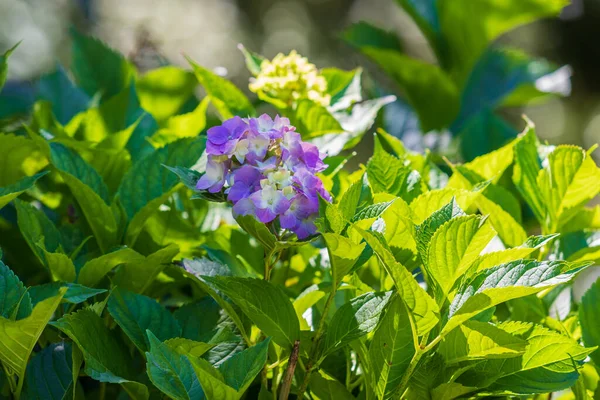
<point>147,251</point>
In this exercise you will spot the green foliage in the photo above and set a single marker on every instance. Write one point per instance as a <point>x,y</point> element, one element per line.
<point>473,76</point>
<point>427,278</point>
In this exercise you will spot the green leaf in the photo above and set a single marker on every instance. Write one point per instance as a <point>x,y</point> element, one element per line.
<point>387,173</point>
<point>49,373</point>
<point>265,304</point>
<point>12,191</point>
<point>425,231</point>
<point>525,172</point>
<point>15,302</point>
<point>258,231</point>
<point>372,211</point>
<point>428,89</point>
<point>356,197</point>
<point>328,389</point>
<point>4,64</point>
<point>392,349</point>
<point>182,126</point>
<point>429,202</point>
<point>355,319</point>
<point>568,182</point>
<point>454,247</point>
<point>98,68</point>
<point>343,86</point>
<point>198,277</point>
<point>147,184</point>
<point>240,370</point>
<point>343,254</point>
<point>106,358</point>
<point>75,293</point>
<point>225,96</point>
<point>19,337</point>
<point>253,60</point>
<point>137,274</point>
<point>89,190</point>
<point>588,318</point>
<point>505,282</point>
<point>171,372</point>
<point>194,328</point>
<point>313,119</point>
<point>164,91</point>
<point>188,347</point>
<point>467,37</point>
<point>476,340</point>
<point>492,259</point>
<point>546,365</point>
<point>212,381</point>
<point>498,73</point>
<point>425,14</point>
<point>95,269</point>
<point>510,231</point>
<point>136,314</point>
<point>424,309</point>
<point>67,100</point>
<point>363,34</point>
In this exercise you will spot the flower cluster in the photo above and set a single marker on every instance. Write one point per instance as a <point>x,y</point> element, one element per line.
<point>265,170</point>
<point>290,78</point>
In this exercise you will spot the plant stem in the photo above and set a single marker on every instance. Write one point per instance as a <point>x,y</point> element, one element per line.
<point>289,372</point>
<point>312,362</point>
<point>414,362</point>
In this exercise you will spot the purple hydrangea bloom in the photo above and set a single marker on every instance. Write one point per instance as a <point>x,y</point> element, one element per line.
<point>267,171</point>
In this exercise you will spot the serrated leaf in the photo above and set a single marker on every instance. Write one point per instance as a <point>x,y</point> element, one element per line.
<point>136,314</point>
<point>19,337</point>
<point>240,370</point>
<point>106,358</point>
<point>194,328</point>
<point>98,68</point>
<point>425,231</point>
<point>387,173</point>
<point>137,274</point>
<point>355,319</point>
<point>171,372</point>
<point>421,305</point>
<point>212,381</point>
<point>429,202</point>
<point>49,373</point>
<point>509,230</point>
<point>372,211</point>
<point>525,172</point>
<point>546,364</point>
<point>95,269</point>
<point>264,303</point>
<point>147,184</point>
<point>89,190</point>
<point>74,294</point>
<point>476,340</point>
<point>392,349</point>
<point>15,302</point>
<point>343,254</point>
<point>453,248</point>
<point>588,318</point>
<point>357,196</point>
<point>505,282</point>
<point>12,191</point>
<point>225,96</point>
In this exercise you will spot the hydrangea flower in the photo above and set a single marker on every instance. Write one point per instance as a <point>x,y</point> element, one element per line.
<point>290,78</point>
<point>266,170</point>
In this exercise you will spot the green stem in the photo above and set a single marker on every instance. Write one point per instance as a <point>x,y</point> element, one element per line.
<point>414,362</point>
<point>312,358</point>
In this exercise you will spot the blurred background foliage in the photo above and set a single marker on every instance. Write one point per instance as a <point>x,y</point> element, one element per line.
<point>154,33</point>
